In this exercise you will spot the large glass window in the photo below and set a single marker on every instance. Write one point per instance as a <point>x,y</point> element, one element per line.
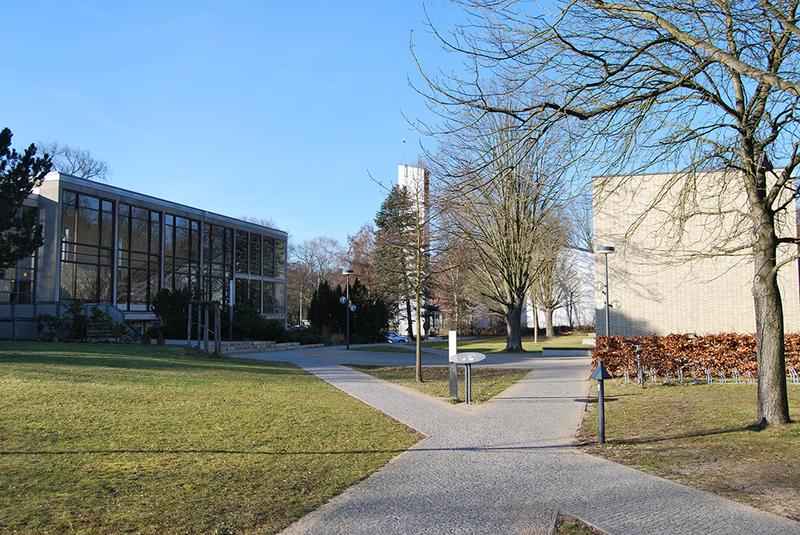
<point>241,251</point>
<point>280,258</point>
<point>269,257</point>
<point>254,294</point>
<point>269,298</point>
<point>87,240</point>
<point>240,291</point>
<point>257,261</point>
<point>280,298</point>
<point>17,284</point>
<point>255,254</point>
<point>139,269</point>
<point>217,255</point>
<point>181,253</point>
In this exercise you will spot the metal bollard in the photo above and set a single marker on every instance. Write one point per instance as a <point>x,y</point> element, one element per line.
<point>600,374</point>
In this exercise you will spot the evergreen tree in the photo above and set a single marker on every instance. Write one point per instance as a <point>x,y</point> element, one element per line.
<point>394,248</point>
<point>19,173</point>
<point>367,324</point>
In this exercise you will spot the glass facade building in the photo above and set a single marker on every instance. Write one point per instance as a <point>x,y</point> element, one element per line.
<point>115,247</point>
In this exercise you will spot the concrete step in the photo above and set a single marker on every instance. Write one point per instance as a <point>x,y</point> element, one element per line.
<point>240,347</point>
<point>275,347</point>
<point>247,345</point>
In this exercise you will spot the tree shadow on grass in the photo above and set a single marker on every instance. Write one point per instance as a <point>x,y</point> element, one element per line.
<point>664,438</point>
<point>190,451</point>
<point>156,363</point>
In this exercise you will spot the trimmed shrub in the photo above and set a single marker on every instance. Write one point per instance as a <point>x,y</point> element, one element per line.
<point>48,327</point>
<point>248,324</point>
<point>172,308</point>
<point>692,353</point>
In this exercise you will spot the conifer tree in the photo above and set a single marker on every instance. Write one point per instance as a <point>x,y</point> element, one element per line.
<point>20,235</point>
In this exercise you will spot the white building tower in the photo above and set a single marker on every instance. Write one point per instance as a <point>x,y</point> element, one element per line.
<point>417,184</point>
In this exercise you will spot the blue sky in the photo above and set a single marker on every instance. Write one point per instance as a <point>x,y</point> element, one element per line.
<point>271,109</point>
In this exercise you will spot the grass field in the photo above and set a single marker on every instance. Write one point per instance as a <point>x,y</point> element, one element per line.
<point>486,382</point>
<point>114,438</point>
<point>496,344</point>
<point>701,435</point>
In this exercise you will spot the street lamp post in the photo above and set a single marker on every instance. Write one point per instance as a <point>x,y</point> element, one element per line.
<point>350,307</point>
<point>600,373</point>
<point>605,251</point>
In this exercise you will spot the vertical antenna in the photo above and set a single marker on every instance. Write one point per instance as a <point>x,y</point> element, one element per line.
<point>404,152</point>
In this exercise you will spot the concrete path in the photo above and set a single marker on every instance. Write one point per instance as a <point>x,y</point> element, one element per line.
<point>506,466</point>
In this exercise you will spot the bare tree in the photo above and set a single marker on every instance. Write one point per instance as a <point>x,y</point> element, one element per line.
<point>77,162</point>
<point>359,255</point>
<point>455,284</point>
<point>310,263</point>
<point>580,218</point>
<point>258,220</point>
<point>550,289</point>
<point>694,86</point>
<point>501,191</point>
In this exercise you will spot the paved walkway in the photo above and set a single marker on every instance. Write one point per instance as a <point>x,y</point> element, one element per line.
<point>506,466</point>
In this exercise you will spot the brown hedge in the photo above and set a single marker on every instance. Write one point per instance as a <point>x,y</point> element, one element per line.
<point>667,354</point>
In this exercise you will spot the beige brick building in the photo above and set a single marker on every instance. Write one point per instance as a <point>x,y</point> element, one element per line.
<point>682,263</point>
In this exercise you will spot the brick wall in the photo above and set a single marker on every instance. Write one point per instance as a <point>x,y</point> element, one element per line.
<point>682,270</point>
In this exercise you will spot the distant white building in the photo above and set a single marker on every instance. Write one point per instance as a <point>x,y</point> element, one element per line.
<point>579,293</point>
<point>416,181</point>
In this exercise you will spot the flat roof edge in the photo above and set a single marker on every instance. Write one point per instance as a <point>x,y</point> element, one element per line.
<point>116,190</point>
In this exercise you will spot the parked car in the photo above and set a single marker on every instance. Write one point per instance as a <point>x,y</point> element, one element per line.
<point>394,338</point>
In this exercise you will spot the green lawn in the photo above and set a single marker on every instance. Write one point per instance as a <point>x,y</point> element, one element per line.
<point>569,525</point>
<point>486,382</point>
<point>701,435</point>
<point>496,344</point>
<point>114,438</point>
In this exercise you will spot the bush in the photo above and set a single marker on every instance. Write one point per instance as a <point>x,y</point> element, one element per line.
<point>304,336</point>
<point>692,353</point>
<point>145,339</point>
<point>248,324</point>
<point>48,327</point>
<point>337,339</point>
<point>75,321</point>
<point>72,326</point>
<point>328,316</point>
<point>172,308</point>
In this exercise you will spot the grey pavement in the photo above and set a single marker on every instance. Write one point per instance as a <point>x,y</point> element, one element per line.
<point>505,466</point>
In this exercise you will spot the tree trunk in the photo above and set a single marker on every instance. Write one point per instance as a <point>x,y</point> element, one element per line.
<point>458,318</point>
<point>409,320</point>
<point>300,313</point>
<point>535,324</point>
<point>514,327</point>
<point>419,338</point>
<point>570,311</point>
<point>773,404</point>
<point>548,318</point>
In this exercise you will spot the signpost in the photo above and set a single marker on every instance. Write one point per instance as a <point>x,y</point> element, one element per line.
<point>467,359</point>
<point>452,350</point>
